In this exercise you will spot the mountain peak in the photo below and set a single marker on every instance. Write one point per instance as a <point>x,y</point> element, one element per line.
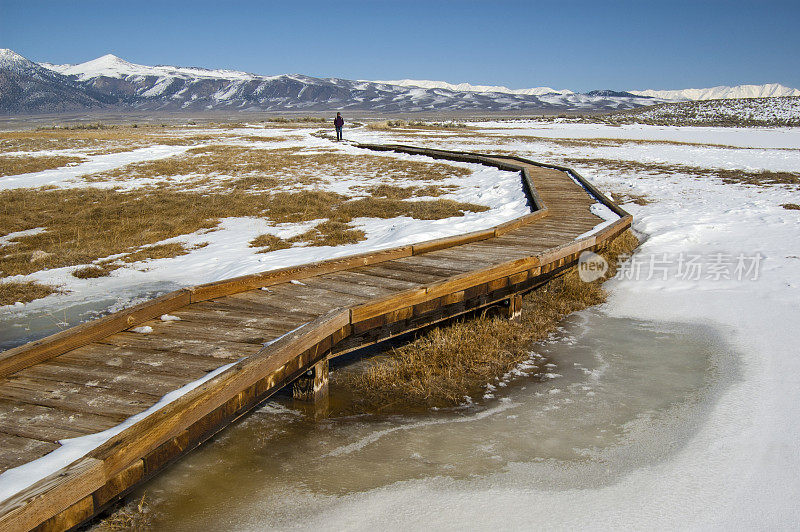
<point>11,60</point>
<point>107,60</point>
<point>108,65</point>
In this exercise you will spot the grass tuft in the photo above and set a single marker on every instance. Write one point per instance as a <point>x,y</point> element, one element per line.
<point>791,206</point>
<point>93,272</point>
<point>12,291</point>
<point>629,197</point>
<point>396,192</point>
<point>269,243</point>
<point>331,233</point>
<point>159,251</point>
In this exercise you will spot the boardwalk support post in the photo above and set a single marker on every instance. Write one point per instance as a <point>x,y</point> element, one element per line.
<point>312,387</point>
<point>512,308</point>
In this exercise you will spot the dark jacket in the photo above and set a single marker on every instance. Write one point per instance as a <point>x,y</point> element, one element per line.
<point>338,121</point>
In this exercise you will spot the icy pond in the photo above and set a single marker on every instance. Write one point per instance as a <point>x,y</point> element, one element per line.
<point>622,395</point>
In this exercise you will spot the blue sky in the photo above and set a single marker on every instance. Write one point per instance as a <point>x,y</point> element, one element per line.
<point>574,44</point>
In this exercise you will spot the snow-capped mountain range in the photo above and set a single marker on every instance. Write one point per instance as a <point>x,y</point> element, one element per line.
<point>466,87</point>
<point>111,82</point>
<point>768,90</point>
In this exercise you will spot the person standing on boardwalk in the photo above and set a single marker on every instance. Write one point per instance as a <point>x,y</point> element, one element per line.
<point>338,123</point>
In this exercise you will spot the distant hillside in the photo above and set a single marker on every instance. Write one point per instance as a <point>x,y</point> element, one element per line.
<point>26,87</point>
<point>769,90</point>
<point>767,112</point>
<point>110,82</point>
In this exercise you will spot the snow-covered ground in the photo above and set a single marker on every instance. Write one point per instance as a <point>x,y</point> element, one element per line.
<point>745,112</point>
<point>742,468</point>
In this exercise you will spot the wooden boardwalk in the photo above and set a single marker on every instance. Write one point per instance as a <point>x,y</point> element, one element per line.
<point>277,325</point>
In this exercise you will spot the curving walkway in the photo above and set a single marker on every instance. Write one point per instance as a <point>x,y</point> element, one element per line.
<point>271,328</point>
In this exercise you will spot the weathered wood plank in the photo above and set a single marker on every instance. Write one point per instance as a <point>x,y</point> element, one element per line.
<point>178,415</point>
<point>399,274</point>
<point>460,266</point>
<point>75,397</point>
<point>250,282</point>
<point>104,378</point>
<point>31,353</point>
<point>366,279</point>
<point>236,319</point>
<point>221,349</point>
<point>439,272</point>
<point>334,285</point>
<point>150,363</point>
<point>49,424</point>
<point>318,299</point>
<point>219,331</point>
<point>18,450</point>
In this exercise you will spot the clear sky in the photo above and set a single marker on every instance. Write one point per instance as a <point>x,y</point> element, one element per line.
<point>574,44</point>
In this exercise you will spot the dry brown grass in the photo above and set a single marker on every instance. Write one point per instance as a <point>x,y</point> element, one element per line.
<point>441,367</point>
<point>23,164</point>
<point>105,139</point>
<point>330,233</point>
<point>206,161</point>
<point>84,225</point>
<point>301,120</point>
<point>159,251</point>
<point>93,271</point>
<point>391,125</point>
<point>791,206</point>
<point>257,169</point>
<point>396,192</point>
<point>133,515</point>
<point>629,197</point>
<point>758,178</point>
<point>98,139</point>
<point>12,292</point>
<point>421,210</point>
<point>269,243</point>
